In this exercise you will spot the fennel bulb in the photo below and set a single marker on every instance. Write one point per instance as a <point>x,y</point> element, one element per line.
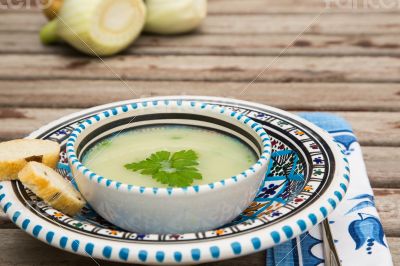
<point>97,27</point>
<point>174,16</point>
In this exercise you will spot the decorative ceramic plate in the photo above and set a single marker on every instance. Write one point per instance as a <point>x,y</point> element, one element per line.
<point>307,178</point>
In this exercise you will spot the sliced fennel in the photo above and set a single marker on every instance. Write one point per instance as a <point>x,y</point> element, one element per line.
<point>97,27</point>
<point>174,16</point>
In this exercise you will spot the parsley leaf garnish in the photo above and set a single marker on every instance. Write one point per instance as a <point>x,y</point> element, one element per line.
<point>175,170</point>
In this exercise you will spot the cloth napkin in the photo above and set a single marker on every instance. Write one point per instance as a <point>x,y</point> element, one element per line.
<point>355,224</point>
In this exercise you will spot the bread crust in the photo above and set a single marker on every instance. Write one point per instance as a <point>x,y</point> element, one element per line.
<point>9,168</point>
<point>66,201</point>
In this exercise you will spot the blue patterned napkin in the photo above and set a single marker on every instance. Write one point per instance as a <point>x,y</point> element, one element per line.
<point>355,224</point>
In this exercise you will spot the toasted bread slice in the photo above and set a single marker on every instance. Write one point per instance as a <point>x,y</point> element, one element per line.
<point>51,187</point>
<point>15,154</point>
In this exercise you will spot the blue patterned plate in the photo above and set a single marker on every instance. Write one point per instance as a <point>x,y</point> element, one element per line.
<point>307,178</point>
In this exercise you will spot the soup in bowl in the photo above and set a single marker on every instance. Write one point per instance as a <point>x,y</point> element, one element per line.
<point>169,166</point>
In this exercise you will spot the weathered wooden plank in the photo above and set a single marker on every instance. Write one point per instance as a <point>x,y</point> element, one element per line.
<point>394,245</point>
<point>320,96</point>
<point>295,6</point>
<point>368,126</point>
<point>17,123</point>
<point>4,221</point>
<point>206,44</point>
<point>203,68</point>
<point>239,7</point>
<point>327,23</point>
<point>387,204</point>
<point>383,166</point>
<point>375,129</point>
<point>15,20</point>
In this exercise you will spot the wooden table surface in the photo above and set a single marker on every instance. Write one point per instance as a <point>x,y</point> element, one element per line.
<point>347,61</point>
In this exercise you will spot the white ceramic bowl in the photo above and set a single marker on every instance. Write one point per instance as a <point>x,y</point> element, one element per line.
<point>169,210</point>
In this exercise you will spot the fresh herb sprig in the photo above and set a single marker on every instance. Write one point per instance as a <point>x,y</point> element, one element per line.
<point>173,169</point>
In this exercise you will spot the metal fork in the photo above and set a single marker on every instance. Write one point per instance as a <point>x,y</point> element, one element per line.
<point>330,252</point>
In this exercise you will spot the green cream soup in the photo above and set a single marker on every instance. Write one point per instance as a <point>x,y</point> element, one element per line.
<point>219,156</point>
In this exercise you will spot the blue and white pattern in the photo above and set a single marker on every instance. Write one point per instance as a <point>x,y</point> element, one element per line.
<point>249,236</point>
<point>287,168</point>
<point>356,226</point>
<point>196,107</point>
<point>286,174</point>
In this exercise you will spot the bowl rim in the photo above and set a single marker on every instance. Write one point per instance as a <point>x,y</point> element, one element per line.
<point>250,242</point>
<point>262,162</point>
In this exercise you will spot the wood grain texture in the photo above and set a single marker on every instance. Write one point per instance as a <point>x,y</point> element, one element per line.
<point>375,128</point>
<point>207,44</point>
<point>368,126</point>
<point>382,166</point>
<point>394,245</point>
<point>203,68</point>
<point>322,22</point>
<point>386,201</point>
<point>288,96</point>
<point>239,7</point>
<point>17,123</point>
<point>4,221</point>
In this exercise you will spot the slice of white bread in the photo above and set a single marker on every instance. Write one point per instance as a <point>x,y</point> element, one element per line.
<point>51,187</point>
<point>15,154</point>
